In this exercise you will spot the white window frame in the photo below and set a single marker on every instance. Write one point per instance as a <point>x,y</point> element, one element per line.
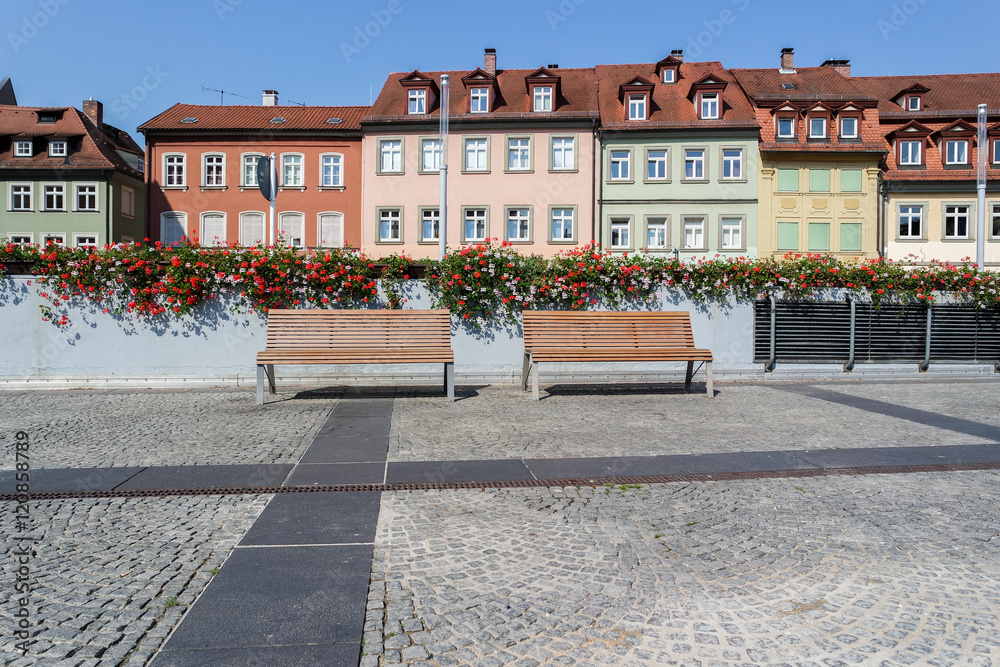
<point>481,150</point>
<point>58,190</point>
<point>20,238</point>
<point>95,194</point>
<point>58,148</point>
<point>669,75</point>
<point>207,168</point>
<point>392,148</point>
<point>299,180</point>
<point>909,212</point>
<point>697,162</point>
<point>914,103</point>
<point>995,222</point>
<point>246,242</point>
<point>777,129</point>
<point>11,196</point>
<point>202,235</point>
<point>470,214</point>
<point>996,151</point>
<point>664,162</point>
<point>732,236</point>
<point>695,223</point>
<point>416,101</point>
<point>543,98</point>
<point>522,153</point>
<point>919,144</point>
<point>823,122</point>
<point>322,242</point>
<point>731,162</point>
<point>250,182</point>
<point>430,215</point>
<point>175,170</point>
<point>22,149</point>
<point>965,152</point>
<point>558,216</point>
<point>657,221</point>
<point>857,127</point>
<point>80,242</point>
<point>430,146</point>
<point>622,229</point>
<point>336,180</point>
<point>968,221</point>
<point>513,214</point>
<point>562,150</point>
<point>709,106</point>
<point>57,238</point>
<point>622,160</point>
<point>128,203</point>
<point>282,222</point>
<point>637,106</point>
<point>390,215</point>
<point>479,99</point>
<point>181,218</point>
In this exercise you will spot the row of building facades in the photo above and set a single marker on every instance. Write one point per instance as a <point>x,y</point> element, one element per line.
<point>685,158</point>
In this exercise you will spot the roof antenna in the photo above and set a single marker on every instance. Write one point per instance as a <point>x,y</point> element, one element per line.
<point>222,94</point>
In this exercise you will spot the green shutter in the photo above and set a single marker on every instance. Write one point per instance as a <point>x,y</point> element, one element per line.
<point>788,180</point>
<point>850,180</point>
<point>819,180</point>
<point>788,236</point>
<point>819,236</point>
<point>850,237</point>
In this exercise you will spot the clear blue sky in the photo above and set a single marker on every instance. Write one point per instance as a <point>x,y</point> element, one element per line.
<point>139,58</point>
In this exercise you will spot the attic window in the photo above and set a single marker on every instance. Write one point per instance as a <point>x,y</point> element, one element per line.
<point>914,103</point>
<point>669,75</point>
<point>189,120</point>
<point>333,121</point>
<point>788,86</point>
<point>46,118</point>
<point>277,120</point>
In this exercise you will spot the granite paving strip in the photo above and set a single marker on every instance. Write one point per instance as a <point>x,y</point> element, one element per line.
<point>834,571</point>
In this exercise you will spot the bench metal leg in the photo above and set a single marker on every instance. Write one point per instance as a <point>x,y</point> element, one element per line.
<point>260,385</point>
<point>269,370</point>
<point>449,381</point>
<point>534,380</point>
<point>708,379</point>
<point>525,371</point>
<point>690,374</point>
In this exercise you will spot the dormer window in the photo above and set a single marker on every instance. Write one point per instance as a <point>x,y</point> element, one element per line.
<point>849,127</point>
<point>57,148</point>
<point>637,106</point>
<point>479,100</point>
<point>22,149</point>
<point>910,152</point>
<point>914,103</point>
<point>817,128</point>
<point>416,101</point>
<point>669,75</point>
<point>709,106</point>
<point>786,127</point>
<point>957,151</point>
<point>542,98</point>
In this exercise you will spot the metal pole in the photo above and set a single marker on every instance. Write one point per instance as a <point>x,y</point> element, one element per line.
<point>981,201</point>
<point>274,195</point>
<point>443,208</point>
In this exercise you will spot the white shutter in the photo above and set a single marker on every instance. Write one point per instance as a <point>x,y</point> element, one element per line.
<point>213,229</point>
<point>251,229</point>
<point>290,228</point>
<point>172,228</point>
<point>331,230</point>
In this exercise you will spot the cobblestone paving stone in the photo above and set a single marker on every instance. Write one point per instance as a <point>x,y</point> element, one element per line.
<point>107,428</point>
<point>502,422</point>
<point>873,570</point>
<point>114,576</point>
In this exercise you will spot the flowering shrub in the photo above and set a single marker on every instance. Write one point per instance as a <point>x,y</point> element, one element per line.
<point>481,283</point>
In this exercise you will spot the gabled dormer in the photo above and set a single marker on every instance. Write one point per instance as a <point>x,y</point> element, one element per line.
<point>910,144</point>
<point>482,90</point>
<point>786,122</point>
<point>543,90</point>
<point>818,117</point>
<point>994,138</point>
<point>668,70</point>
<point>421,93</point>
<point>955,142</point>
<point>849,122</point>
<point>706,93</point>
<point>912,98</point>
<point>636,97</point>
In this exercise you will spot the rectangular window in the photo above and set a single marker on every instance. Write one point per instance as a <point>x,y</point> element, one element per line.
<point>913,103</point>
<point>562,224</point>
<point>331,230</point>
<point>20,198</point>
<point>54,239</point>
<point>819,236</point>
<point>174,171</point>
<point>909,152</point>
<point>475,224</point>
<point>542,98</point>
<point>87,241</point>
<point>620,237</point>
<point>430,155</point>
<point>732,164</point>
<point>995,227</point>
<point>391,156</point>
<point>251,229</point>
<point>518,154</point>
<point>215,174</point>
<point>213,229</point>
<point>250,170</point>
<point>851,180</point>
<point>786,127</point>
<point>910,218</point>
<point>475,155</point>
<point>850,237</point>
<point>620,165</point>
<point>563,153</point>
<point>656,165</point>
<point>291,229</point>
<point>819,180</point>
<point>86,198</point>
<point>518,224</point>
<point>849,127</point>
<point>732,233</point>
<point>636,107</point>
<point>173,228</point>
<point>817,128</point>
<point>788,180</point>
<point>694,233</point>
<point>417,101</point>
<point>479,100</point>
<point>389,228</point>
<point>55,198</point>
<point>291,171</point>
<point>709,105</point>
<point>332,171</point>
<point>788,236</point>
<point>694,164</point>
<point>656,233</point>
<point>57,149</point>
<point>128,202</point>
<point>430,224</point>
<point>669,75</point>
<point>22,149</point>
<point>996,151</point>
<point>956,222</point>
<point>958,151</point>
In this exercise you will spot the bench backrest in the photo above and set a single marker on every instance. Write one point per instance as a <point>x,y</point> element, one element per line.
<point>576,329</point>
<point>335,329</point>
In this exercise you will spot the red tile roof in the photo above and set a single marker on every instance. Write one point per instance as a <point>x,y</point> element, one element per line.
<point>243,118</point>
<point>99,147</point>
<point>577,97</point>
<point>767,86</point>
<point>672,105</point>
<point>950,95</point>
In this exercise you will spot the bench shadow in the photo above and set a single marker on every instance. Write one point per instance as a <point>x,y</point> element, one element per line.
<point>346,393</point>
<point>624,389</point>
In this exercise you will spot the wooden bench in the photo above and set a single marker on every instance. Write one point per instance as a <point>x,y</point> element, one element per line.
<point>356,337</point>
<point>603,336</point>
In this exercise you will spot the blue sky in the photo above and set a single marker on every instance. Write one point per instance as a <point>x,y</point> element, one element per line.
<point>140,57</point>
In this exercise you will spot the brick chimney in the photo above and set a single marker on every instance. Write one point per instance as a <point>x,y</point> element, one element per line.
<point>95,110</point>
<point>788,61</point>
<point>843,67</point>
<point>490,62</point>
<point>270,98</point>
<point>678,54</point>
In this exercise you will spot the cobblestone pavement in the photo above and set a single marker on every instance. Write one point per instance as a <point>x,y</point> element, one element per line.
<point>501,422</point>
<point>105,428</point>
<point>873,570</point>
<point>114,576</point>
